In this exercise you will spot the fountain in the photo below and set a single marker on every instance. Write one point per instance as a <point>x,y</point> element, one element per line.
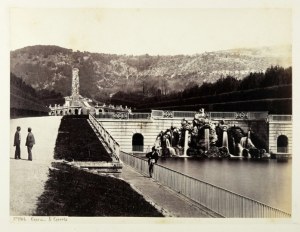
<point>206,139</point>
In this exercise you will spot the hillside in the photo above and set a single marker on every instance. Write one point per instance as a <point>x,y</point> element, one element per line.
<point>102,75</point>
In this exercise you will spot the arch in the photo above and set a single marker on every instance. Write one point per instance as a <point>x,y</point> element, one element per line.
<point>76,111</point>
<point>282,144</point>
<point>138,142</point>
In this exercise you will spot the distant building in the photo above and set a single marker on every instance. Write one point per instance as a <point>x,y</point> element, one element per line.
<point>77,104</point>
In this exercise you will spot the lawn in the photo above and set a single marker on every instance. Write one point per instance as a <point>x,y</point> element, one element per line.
<point>73,192</point>
<point>77,141</point>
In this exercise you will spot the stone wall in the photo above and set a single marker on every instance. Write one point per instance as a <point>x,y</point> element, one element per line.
<point>266,128</point>
<point>123,130</point>
<point>275,130</point>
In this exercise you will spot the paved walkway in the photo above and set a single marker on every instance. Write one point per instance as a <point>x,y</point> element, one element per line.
<point>27,178</point>
<point>168,201</point>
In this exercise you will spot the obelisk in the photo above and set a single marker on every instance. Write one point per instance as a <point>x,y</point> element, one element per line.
<point>75,86</point>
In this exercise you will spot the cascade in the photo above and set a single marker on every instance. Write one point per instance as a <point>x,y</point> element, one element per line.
<point>206,139</point>
<point>186,146</point>
<point>225,139</point>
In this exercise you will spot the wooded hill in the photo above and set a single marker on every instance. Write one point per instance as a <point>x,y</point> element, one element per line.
<point>270,91</point>
<point>104,75</point>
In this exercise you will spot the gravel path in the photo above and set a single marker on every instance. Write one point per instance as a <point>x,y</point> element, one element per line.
<point>27,178</point>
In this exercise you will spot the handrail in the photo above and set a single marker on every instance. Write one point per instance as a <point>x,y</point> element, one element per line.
<point>108,139</point>
<point>222,201</point>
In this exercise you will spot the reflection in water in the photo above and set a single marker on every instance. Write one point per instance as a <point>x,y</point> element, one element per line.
<point>266,181</point>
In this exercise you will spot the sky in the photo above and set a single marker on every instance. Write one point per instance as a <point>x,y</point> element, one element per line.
<point>161,31</point>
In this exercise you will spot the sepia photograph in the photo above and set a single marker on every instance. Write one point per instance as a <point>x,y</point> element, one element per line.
<point>137,113</point>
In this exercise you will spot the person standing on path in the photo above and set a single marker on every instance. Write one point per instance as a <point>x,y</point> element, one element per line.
<point>17,143</point>
<point>30,141</point>
<point>152,159</point>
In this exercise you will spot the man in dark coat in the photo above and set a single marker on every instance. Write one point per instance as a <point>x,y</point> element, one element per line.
<point>17,143</point>
<point>30,141</point>
<point>152,158</point>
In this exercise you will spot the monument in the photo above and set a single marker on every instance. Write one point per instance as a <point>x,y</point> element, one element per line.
<point>77,104</point>
<point>75,87</point>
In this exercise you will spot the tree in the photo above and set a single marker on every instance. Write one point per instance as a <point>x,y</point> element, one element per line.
<point>252,81</point>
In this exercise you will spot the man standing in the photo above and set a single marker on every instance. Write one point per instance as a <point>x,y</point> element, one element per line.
<point>29,143</point>
<point>152,158</point>
<point>17,143</point>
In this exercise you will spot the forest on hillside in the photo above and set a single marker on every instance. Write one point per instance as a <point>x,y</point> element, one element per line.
<point>43,97</point>
<point>275,83</point>
<point>102,76</point>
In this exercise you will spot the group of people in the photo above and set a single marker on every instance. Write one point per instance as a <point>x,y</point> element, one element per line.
<point>30,141</point>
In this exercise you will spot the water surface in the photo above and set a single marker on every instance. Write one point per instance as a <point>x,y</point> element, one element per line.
<point>266,181</point>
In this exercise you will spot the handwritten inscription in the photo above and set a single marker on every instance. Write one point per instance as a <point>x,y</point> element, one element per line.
<point>20,219</point>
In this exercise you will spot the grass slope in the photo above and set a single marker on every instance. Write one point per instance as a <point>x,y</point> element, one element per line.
<point>73,192</point>
<point>77,141</point>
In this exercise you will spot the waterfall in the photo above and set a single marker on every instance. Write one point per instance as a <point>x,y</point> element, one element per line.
<point>206,139</point>
<point>186,138</point>
<point>225,139</point>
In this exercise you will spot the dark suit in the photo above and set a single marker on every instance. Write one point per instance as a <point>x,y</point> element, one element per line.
<point>152,158</point>
<point>17,143</point>
<point>30,141</point>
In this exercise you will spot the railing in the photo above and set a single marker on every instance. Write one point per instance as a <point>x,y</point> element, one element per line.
<point>172,114</point>
<point>280,118</point>
<point>222,115</point>
<point>140,116</point>
<point>123,115</point>
<point>260,115</point>
<point>157,113</point>
<point>184,114</point>
<point>263,115</point>
<point>161,114</point>
<point>108,139</point>
<point>219,200</point>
